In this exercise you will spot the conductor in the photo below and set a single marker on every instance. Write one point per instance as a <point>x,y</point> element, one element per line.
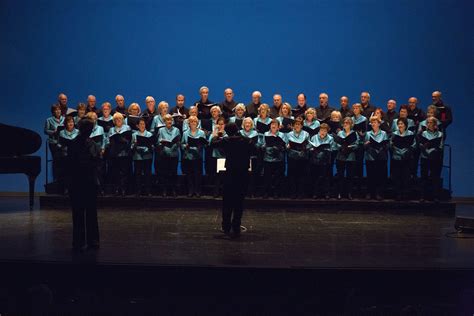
<point>83,156</point>
<point>237,150</point>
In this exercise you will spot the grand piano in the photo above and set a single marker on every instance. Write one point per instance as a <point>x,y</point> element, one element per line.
<point>15,154</point>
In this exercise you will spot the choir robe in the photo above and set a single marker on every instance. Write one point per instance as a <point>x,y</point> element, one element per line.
<point>113,131</point>
<point>204,108</point>
<point>157,123</point>
<point>251,109</point>
<point>311,127</point>
<point>227,108</point>
<point>217,152</point>
<point>323,113</point>
<point>401,153</point>
<point>289,126</point>
<point>273,153</point>
<point>265,121</point>
<point>142,152</point>
<point>352,147</point>
<point>65,136</point>
<point>234,119</point>
<point>422,126</point>
<point>186,125</point>
<point>171,135</point>
<point>300,138</point>
<point>431,145</point>
<point>99,131</point>
<point>321,156</point>
<point>379,151</point>
<point>360,124</point>
<point>193,153</point>
<point>51,128</point>
<point>106,122</point>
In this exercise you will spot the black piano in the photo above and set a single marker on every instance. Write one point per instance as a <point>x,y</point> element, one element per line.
<point>17,145</point>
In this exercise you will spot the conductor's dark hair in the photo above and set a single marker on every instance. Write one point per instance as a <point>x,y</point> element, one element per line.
<point>231,129</point>
<point>86,126</point>
<point>403,120</point>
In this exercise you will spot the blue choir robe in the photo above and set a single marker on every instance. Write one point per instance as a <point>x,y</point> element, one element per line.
<point>171,135</point>
<point>348,153</point>
<point>194,152</point>
<point>431,144</point>
<point>50,128</point>
<point>360,124</point>
<point>378,146</point>
<point>106,123</point>
<point>157,123</point>
<point>252,135</point>
<point>217,152</point>
<point>422,126</point>
<point>99,131</point>
<point>186,125</point>
<point>273,153</point>
<point>141,152</point>
<point>233,119</point>
<point>320,149</point>
<point>285,129</point>
<point>64,134</point>
<point>300,138</point>
<point>311,127</point>
<point>411,125</point>
<point>265,121</point>
<point>402,153</point>
<point>113,131</point>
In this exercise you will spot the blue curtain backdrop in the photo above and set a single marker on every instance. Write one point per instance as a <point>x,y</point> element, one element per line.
<point>393,49</point>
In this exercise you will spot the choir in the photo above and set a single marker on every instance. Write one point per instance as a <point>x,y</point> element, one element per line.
<point>305,143</point>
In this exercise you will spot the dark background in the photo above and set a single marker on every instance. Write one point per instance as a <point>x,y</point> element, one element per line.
<point>393,49</point>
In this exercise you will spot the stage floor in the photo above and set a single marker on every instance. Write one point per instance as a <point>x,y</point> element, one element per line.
<point>275,238</point>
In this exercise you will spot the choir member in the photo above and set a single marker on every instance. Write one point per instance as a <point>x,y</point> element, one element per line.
<point>345,109</point>
<point>360,127</point>
<point>431,148</point>
<point>193,111</point>
<point>297,158</point>
<point>391,113</point>
<point>66,136</point>
<point>367,107</point>
<point>166,160</point>
<point>204,105</point>
<point>301,106</point>
<point>414,112</point>
<point>285,118</point>
<point>62,102</point>
<point>239,116</point>
<point>273,144</point>
<point>404,114</point>
<point>216,153</point>
<point>150,111</point>
<point>321,146</point>
<point>347,144</point>
<point>323,112</point>
<point>311,124</point>
<point>248,131</point>
<point>133,116</point>
<point>106,119</point>
<point>81,112</point>
<point>376,146</point>
<point>275,109</point>
<point>262,121</point>
<point>335,123</point>
<point>193,141</point>
<point>98,135</point>
<point>209,126</point>
<point>252,107</point>
<point>179,112</point>
<point>432,111</point>
<point>52,127</point>
<point>384,125</point>
<point>402,145</point>
<point>91,102</point>
<point>227,106</point>
<point>445,115</point>
<point>142,149</point>
<point>159,120</point>
<point>118,150</point>
<point>120,105</point>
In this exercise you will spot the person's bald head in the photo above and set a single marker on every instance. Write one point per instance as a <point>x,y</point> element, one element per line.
<point>323,99</point>
<point>120,101</point>
<point>277,100</point>
<point>62,99</point>
<point>344,101</point>
<point>412,102</point>
<point>364,98</point>
<point>228,94</point>
<point>391,105</point>
<point>301,99</point>
<point>256,97</point>
<point>436,97</point>
<point>91,101</point>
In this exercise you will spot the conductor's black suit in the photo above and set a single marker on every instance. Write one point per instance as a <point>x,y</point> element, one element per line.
<point>237,151</point>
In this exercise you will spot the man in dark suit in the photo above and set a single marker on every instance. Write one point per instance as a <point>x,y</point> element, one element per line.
<point>237,151</point>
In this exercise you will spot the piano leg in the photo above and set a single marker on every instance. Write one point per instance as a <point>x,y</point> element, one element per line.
<point>31,182</point>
